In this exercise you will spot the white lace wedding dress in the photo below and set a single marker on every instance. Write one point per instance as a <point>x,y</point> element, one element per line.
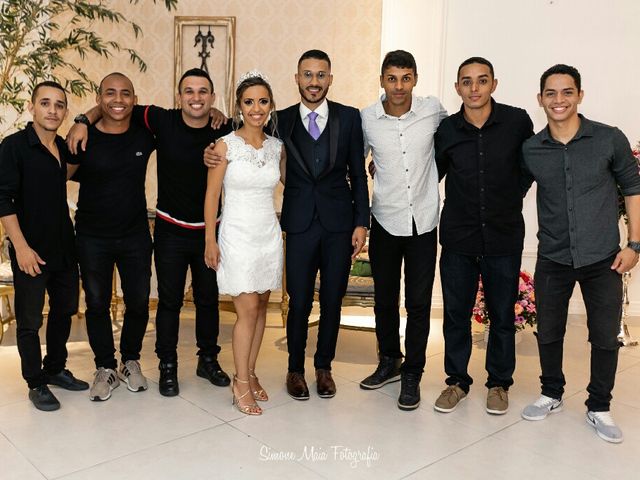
<point>250,238</point>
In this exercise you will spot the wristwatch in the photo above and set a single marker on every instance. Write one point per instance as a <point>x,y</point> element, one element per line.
<point>635,246</point>
<point>82,118</point>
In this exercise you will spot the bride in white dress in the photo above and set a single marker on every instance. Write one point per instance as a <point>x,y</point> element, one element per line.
<point>248,252</point>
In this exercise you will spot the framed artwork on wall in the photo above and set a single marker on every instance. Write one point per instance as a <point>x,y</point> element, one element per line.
<point>208,43</point>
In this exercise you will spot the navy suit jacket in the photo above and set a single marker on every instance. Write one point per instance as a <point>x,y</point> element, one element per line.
<point>339,195</point>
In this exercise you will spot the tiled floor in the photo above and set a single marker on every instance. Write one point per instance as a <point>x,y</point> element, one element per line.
<point>357,434</point>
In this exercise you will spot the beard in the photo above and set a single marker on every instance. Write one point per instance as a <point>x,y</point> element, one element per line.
<point>311,99</point>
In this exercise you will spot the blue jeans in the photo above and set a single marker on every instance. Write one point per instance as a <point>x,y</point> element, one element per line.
<point>602,294</point>
<point>97,257</point>
<point>174,254</point>
<point>459,275</point>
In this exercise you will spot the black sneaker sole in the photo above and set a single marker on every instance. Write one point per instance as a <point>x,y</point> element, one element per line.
<point>298,398</point>
<point>365,386</point>
<point>46,408</point>
<point>408,408</point>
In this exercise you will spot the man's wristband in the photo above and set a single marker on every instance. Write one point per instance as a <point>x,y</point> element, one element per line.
<point>82,118</point>
<point>635,246</point>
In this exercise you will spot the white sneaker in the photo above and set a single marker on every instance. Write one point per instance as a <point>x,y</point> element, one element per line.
<point>131,374</point>
<point>104,381</point>
<point>605,426</point>
<point>542,407</point>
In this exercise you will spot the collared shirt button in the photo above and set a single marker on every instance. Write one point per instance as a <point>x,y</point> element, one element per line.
<point>481,171</point>
<point>481,153</point>
<point>406,169</point>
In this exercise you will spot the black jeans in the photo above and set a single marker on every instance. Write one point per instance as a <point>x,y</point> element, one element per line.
<point>307,252</point>
<point>602,293</point>
<point>97,257</point>
<point>174,254</point>
<point>62,287</point>
<point>387,252</point>
<point>459,275</point>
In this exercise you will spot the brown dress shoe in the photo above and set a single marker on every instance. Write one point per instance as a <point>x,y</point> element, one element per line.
<point>326,385</point>
<point>296,386</point>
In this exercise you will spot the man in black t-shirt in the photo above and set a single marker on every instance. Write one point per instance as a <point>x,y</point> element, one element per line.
<point>181,137</point>
<point>33,211</point>
<point>112,230</point>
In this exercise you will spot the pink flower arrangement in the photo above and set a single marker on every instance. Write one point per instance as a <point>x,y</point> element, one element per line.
<point>525,307</point>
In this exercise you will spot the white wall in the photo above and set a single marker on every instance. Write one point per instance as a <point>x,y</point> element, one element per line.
<point>522,38</point>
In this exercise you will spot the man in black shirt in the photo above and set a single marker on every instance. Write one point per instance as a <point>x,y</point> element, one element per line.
<point>112,230</point>
<point>481,230</point>
<point>34,212</point>
<point>181,137</point>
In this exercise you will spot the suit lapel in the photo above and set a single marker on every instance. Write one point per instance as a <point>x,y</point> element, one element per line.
<point>294,110</point>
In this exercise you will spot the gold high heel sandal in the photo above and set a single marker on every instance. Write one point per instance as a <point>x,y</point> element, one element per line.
<point>251,409</point>
<point>259,395</point>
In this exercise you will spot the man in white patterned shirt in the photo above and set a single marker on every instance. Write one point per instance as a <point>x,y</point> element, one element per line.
<point>398,130</point>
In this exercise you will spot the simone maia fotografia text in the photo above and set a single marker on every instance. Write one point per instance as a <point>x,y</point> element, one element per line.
<point>313,453</point>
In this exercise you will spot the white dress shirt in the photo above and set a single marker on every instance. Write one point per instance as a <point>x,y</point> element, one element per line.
<point>321,119</point>
<point>405,185</point>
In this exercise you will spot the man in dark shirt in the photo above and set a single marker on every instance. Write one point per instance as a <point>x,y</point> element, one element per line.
<point>181,137</point>
<point>34,212</point>
<point>481,230</point>
<point>112,230</point>
<point>576,164</point>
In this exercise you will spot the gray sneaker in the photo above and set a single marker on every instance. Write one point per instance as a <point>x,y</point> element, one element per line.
<point>131,374</point>
<point>497,401</point>
<point>542,407</point>
<point>105,380</point>
<point>449,399</point>
<point>605,426</point>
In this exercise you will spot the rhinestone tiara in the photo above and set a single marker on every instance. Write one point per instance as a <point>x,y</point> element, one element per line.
<point>252,74</point>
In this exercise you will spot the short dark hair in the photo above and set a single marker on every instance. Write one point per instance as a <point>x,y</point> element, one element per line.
<point>399,59</point>
<point>561,69</point>
<point>47,83</point>
<point>195,72</point>
<point>114,74</point>
<point>317,54</point>
<point>480,60</point>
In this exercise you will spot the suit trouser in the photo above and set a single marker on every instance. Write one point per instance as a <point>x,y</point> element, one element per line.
<point>307,252</point>
<point>387,252</point>
<point>601,290</point>
<point>62,287</point>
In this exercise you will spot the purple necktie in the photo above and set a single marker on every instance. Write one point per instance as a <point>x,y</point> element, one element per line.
<point>314,129</point>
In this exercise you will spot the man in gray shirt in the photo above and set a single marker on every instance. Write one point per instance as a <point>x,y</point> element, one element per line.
<point>577,164</point>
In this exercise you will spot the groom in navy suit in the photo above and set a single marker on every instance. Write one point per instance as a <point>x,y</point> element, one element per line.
<point>325,214</point>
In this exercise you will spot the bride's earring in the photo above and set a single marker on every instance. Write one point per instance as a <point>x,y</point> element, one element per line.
<point>241,117</point>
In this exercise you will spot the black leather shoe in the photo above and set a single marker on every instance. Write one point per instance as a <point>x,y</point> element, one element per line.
<point>66,380</point>
<point>388,371</point>
<point>43,399</point>
<point>297,386</point>
<point>409,398</point>
<point>209,368</point>
<point>324,383</point>
<point>169,379</point>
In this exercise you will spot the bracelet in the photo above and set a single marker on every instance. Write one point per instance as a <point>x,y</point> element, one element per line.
<point>635,246</point>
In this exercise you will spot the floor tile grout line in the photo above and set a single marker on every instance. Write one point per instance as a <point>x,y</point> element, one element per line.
<point>136,452</point>
<point>23,456</point>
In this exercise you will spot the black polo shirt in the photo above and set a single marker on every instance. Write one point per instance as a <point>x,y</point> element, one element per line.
<point>482,213</point>
<point>33,186</point>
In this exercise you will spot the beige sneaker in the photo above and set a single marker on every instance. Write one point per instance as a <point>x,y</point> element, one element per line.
<point>104,381</point>
<point>497,401</point>
<point>449,399</point>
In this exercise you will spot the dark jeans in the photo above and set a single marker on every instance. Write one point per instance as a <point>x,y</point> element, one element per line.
<point>307,252</point>
<point>62,287</point>
<point>459,275</point>
<point>601,290</point>
<point>174,254</point>
<point>387,252</point>
<point>97,257</point>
